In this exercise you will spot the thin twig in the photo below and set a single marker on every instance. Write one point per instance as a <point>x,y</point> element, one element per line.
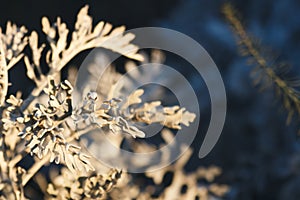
<point>18,158</point>
<point>35,168</point>
<point>290,94</point>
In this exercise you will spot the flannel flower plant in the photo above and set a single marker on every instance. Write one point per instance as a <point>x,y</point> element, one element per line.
<point>47,126</point>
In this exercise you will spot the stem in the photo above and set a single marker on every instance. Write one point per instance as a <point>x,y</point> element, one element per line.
<point>3,73</point>
<point>35,168</point>
<point>18,158</point>
<point>289,92</point>
<point>79,133</point>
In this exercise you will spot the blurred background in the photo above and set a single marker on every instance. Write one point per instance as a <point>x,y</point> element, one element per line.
<point>258,152</point>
